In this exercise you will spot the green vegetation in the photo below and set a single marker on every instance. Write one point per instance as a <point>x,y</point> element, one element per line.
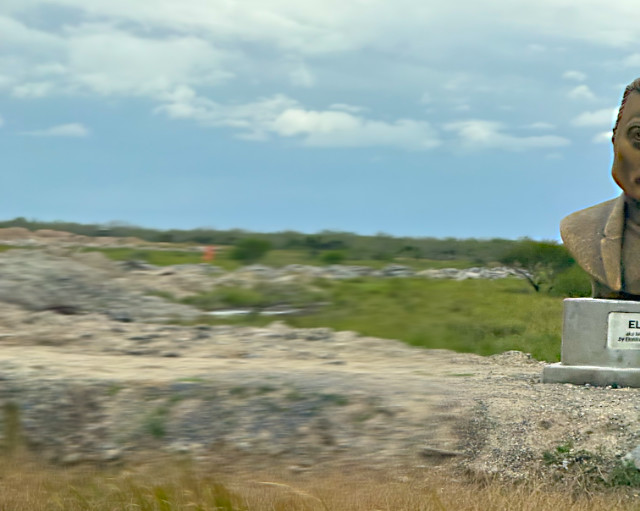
<point>157,257</point>
<point>590,469</point>
<point>381,247</point>
<point>572,282</point>
<point>333,257</point>
<point>262,295</point>
<point>155,424</point>
<point>483,317</point>
<point>539,262</point>
<point>250,250</point>
<point>477,316</point>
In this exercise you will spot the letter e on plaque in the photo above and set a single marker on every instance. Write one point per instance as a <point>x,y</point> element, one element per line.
<point>623,331</point>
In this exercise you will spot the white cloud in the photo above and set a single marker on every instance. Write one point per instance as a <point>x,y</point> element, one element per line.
<point>577,76</point>
<point>481,134</point>
<point>1,121</point>
<point>18,36</point>
<point>109,61</point>
<point>284,117</point>
<point>341,129</point>
<point>353,109</point>
<point>156,48</point>
<point>602,118</point>
<point>317,26</point>
<point>99,58</point>
<point>33,89</point>
<point>581,93</point>
<point>603,137</point>
<point>73,130</point>
<point>542,126</point>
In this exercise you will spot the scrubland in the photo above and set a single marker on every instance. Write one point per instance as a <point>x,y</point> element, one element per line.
<point>496,316</point>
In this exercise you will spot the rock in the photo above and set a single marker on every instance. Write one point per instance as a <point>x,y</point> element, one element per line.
<point>39,281</point>
<point>397,270</point>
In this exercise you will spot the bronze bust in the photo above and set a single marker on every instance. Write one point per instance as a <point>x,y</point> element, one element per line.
<point>605,239</point>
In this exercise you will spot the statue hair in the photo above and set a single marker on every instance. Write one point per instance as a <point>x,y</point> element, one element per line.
<point>633,86</point>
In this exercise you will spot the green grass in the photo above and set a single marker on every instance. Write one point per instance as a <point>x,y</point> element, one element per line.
<point>260,296</point>
<point>274,258</point>
<point>157,257</point>
<point>477,316</point>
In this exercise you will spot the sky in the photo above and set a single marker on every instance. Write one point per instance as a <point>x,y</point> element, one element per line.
<point>412,117</point>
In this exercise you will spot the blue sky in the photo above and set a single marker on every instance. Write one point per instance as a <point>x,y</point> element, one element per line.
<point>411,117</point>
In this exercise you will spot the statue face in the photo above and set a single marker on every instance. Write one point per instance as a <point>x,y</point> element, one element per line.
<point>626,148</point>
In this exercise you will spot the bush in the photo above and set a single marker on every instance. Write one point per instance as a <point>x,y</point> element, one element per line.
<point>572,282</point>
<point>333,257</point>
<point>250,250</point>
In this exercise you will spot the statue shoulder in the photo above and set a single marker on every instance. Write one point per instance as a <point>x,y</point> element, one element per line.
<point>587,223</point>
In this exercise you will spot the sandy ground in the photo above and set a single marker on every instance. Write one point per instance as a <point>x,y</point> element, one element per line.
<point>91,388</point>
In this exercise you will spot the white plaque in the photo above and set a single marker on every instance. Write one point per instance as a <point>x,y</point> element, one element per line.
<point>624,331</point>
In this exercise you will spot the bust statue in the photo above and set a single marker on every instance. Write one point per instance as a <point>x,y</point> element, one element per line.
<point>605,239</point>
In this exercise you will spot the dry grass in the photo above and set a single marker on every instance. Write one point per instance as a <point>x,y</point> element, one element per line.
<point>177,485</point>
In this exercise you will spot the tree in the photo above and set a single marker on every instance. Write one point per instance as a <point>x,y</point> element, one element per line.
<point>250,250</point>
<point>538,261</point>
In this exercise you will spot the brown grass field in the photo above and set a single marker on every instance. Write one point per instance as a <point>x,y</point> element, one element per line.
<point>173,484</point>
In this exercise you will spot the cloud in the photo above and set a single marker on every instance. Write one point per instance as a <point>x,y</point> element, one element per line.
<point>604,117</point>
<point>102,59</point>
<point>1,121</point>
<point>33,90</point>
<point>542,126</point>
<point>284,117</point>
<point>341,129</point>
<point>577,76</point>
<point>73,130</point>
<point>325,26</point>
<point>482,134</point>
<point>109,61</point>
<point>353,109</point>
<point>582,93</point>
<point>157,48</point>
<point>603,137</point>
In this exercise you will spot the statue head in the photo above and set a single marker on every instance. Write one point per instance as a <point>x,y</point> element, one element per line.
<point>626,142</point>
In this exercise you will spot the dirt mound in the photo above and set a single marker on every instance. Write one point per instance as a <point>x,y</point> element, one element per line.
<point>38,281</point>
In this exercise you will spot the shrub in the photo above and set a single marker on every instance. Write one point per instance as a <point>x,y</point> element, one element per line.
<point>250,250</point>
<point>572,282</point>
<point>333,257</point>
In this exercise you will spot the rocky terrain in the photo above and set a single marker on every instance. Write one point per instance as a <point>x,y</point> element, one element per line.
<point>22,237</point>
<point>89,372</point>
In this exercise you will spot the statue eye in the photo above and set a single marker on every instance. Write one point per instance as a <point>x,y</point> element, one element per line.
<point>634,133</point>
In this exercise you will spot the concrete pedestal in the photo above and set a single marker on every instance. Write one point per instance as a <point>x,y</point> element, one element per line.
<point>600,344</point>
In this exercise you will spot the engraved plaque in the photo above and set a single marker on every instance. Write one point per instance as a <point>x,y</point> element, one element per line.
<point>623,331</point>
